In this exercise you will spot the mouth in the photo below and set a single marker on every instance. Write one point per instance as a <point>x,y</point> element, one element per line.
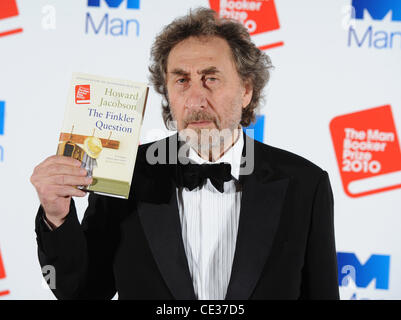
<point>199,123</point>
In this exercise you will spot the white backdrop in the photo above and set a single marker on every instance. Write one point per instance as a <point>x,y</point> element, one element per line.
<point>319,75</point>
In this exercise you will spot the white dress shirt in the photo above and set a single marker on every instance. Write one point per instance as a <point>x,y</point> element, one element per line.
<point>209,223</point>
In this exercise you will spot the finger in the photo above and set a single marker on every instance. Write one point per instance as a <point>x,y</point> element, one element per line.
<point>59,169</point>
<point>67,180</point>
<point>68,191</point>
<point>63,160</point>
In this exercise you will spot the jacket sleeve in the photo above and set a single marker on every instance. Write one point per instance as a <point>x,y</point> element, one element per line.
<point>320,277</point>
<point>81,255</point>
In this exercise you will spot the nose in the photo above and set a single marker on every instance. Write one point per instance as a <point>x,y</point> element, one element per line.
<point>196,96</point>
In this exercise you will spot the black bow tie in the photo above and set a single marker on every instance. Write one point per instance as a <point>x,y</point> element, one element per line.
<point>194,175</point>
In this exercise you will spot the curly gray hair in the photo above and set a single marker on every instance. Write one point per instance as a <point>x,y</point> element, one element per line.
<point>252,64</point>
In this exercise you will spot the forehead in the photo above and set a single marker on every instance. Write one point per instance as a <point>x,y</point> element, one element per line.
<point>202,52</point>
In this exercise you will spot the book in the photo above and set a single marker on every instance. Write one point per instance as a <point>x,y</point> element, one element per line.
<point>101,128</point>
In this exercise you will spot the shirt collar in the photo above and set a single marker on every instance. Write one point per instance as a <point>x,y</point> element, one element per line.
<point>232,156</point>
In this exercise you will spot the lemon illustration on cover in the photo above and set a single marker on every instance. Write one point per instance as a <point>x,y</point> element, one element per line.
<point>93,147</point>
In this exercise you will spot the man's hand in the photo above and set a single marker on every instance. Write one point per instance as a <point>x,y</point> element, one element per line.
<point>55,181</point>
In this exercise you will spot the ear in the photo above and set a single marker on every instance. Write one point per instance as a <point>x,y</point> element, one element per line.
<point>247,93</point>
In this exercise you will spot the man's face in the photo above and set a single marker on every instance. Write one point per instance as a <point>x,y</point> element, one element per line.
<point>204,88</point>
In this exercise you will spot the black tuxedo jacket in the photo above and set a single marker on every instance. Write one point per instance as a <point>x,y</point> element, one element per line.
<point>285,246</point>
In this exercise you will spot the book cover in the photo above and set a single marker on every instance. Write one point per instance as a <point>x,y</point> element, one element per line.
<point>101,128</point>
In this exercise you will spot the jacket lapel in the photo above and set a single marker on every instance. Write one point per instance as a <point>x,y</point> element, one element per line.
<point>263,194</point>
<point>158,212</point>
<point>161,225</point>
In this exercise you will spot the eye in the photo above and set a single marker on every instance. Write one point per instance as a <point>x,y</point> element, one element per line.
<point>181,80</point>
<point>211,79</point>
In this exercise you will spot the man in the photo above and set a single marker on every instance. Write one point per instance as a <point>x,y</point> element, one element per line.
<point>251,222</point>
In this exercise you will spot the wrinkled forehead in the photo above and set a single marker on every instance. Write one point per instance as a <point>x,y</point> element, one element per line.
<point>195,54</point>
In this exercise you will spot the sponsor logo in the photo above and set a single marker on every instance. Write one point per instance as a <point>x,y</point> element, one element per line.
<point>131,4</point>
<point>367,150</point>
<point>377,9</point>
<point>2,121</point>
<point>9,9</point>
<point>258,128</point>
<point>258,16</point>
<point>373,29</point>
<point>2,276</point>
<point>82,94</point>
<point>2,116</point>
<point>97,21</point>
<point>376,267</point>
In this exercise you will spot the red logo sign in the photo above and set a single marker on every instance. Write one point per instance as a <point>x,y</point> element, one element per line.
<point>82,94</point>
<point>2,276</point>
<point>367,150</point>
<point>259,16</point>
<point>8,9</point>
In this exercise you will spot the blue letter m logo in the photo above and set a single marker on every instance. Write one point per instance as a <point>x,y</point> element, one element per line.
<point>377,267</point>
<point>377,9</point>
<point>131,4</point>
<point>2,113</point>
